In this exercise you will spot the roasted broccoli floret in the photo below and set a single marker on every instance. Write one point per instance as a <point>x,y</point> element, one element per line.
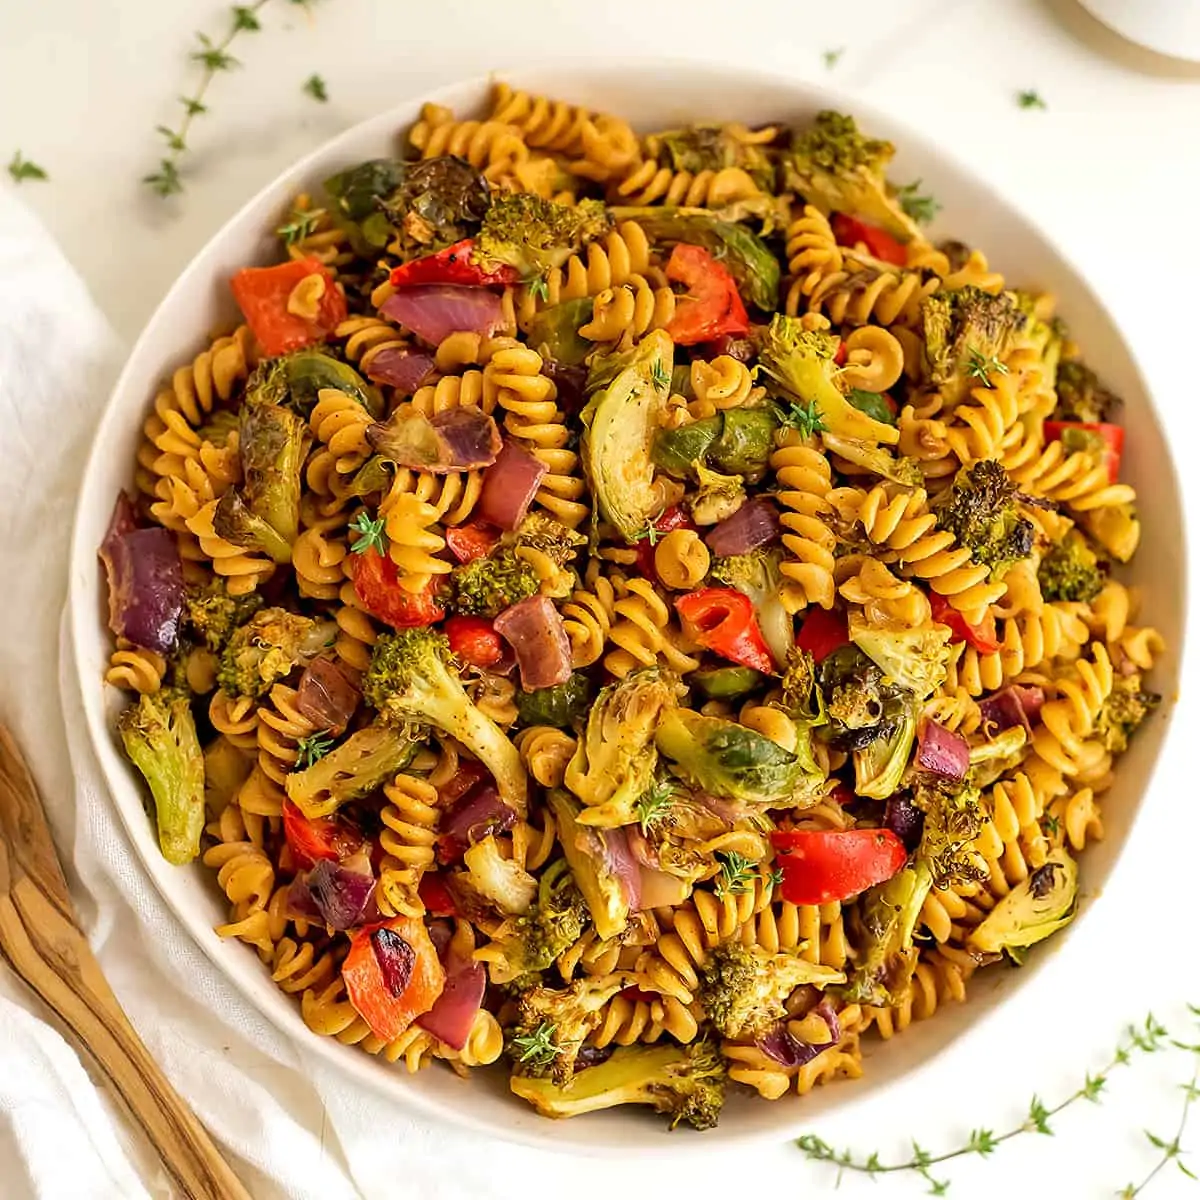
<point>1071,570</point>
<point>685,1082</point>
<point>726,759</point>
<point>410,680</point>
<point>214,614</point>
<point>967,334</point>
<point>367,759</point>
<point>839,169</point>
<point>802,697</point>
<point>555,922</point>
<point>160,739</point>
<point>1125,709</point>
<point>267,647</point>
<point>532,235</point>
<point>486,586</point>
<point>953,819</point>
<point>743,988</point>
<point>615,759</point>
<point>980,509</point>
<point>801,362</point>
<point>757,575</point>
<point>552,1024</point>
<point>1081,395</point>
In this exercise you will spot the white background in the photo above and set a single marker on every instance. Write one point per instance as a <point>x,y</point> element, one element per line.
<point>1109,169</point>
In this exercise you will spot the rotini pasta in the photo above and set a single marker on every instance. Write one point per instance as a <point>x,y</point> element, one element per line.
<point>654,643</point>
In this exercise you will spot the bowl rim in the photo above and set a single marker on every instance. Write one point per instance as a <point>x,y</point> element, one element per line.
<point>525,73</point>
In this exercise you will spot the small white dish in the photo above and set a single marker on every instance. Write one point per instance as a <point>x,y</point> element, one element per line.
<point>1170,27</point>
<point>652,97</point>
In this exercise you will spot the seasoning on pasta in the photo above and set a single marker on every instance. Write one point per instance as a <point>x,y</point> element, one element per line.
<point>658,646</point>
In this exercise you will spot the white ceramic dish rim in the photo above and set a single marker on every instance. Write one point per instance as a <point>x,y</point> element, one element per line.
<point>611,1132</point>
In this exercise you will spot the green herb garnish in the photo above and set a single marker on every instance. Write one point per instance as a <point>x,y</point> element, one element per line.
<point>805,418</point>
<point>737,874</point>
<point>371,534</point>
<point>21,169</point>
<point>979,367</point>
<point>301,222</point>
<point>654,803</point>
<point>539,1048</point>
<point>922,209</point>
<point>313,748</point>
<point>314,85</point>
<point>830,57</point>
<point>1030,99</point>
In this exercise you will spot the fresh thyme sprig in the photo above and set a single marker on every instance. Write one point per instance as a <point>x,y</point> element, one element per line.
<point>654,803</point>
<point>314,85</point>
<point>214,57</point>
<point>979,367</point>
<point>830,57</point>
<point>737,874</point>
<point>922,209</point>
<point>22,169</point>
<point>300,223</point>
<point>659,375</point>
<point>1030,98</point>
<point>1148,1038</point>
<point>371,534</point>
<point>806,419</point>
<point>539,1048</point>
<point>312,749</point>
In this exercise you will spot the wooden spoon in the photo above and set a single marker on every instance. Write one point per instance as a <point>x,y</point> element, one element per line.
<point>41,940</point>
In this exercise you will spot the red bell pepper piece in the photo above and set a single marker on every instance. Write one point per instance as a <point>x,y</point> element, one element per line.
<point>469,542</point>
<point>722,620</point>
<point>839,355</point>
<point>376,584</point>
<point>312,839</point>
<point>675,517</point>
<point>981,637</point>
<point>474,640</point>
<point>262,294</point>
<point>823,632</point>
<point>824,865</point>
<point>435,895</point>
<point>849,231</point>
<point>455,264</point>
<point>1106,441</point>
<point>712,306</point>
<point>392,975</point>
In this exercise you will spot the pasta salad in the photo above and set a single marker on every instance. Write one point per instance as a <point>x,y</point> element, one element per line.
<point>629,608</point>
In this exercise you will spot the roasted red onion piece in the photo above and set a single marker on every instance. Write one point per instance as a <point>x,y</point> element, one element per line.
<point>325,696</point>
<point>341,890</point>
<point>754,524</point>
<point>1013,705</point>
<point>942,751</point>
<point>453,1013</point>
<point>479,813</point>
<point>463,438</point>
<point>509,486</point>
<point>145,582</point>
<point>534,628</point>
<point>433,311</point>
<point>404,370</point>
<point>621,864</point>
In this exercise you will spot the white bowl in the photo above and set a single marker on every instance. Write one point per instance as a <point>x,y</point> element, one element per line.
<point>673,92</point>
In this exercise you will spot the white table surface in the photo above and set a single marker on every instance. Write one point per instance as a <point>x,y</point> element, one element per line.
<point>1109,169</point>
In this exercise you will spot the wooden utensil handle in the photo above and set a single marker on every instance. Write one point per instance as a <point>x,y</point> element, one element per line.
<point>53,958</point>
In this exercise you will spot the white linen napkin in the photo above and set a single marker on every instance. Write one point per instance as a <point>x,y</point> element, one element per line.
<point>291,1125</point>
